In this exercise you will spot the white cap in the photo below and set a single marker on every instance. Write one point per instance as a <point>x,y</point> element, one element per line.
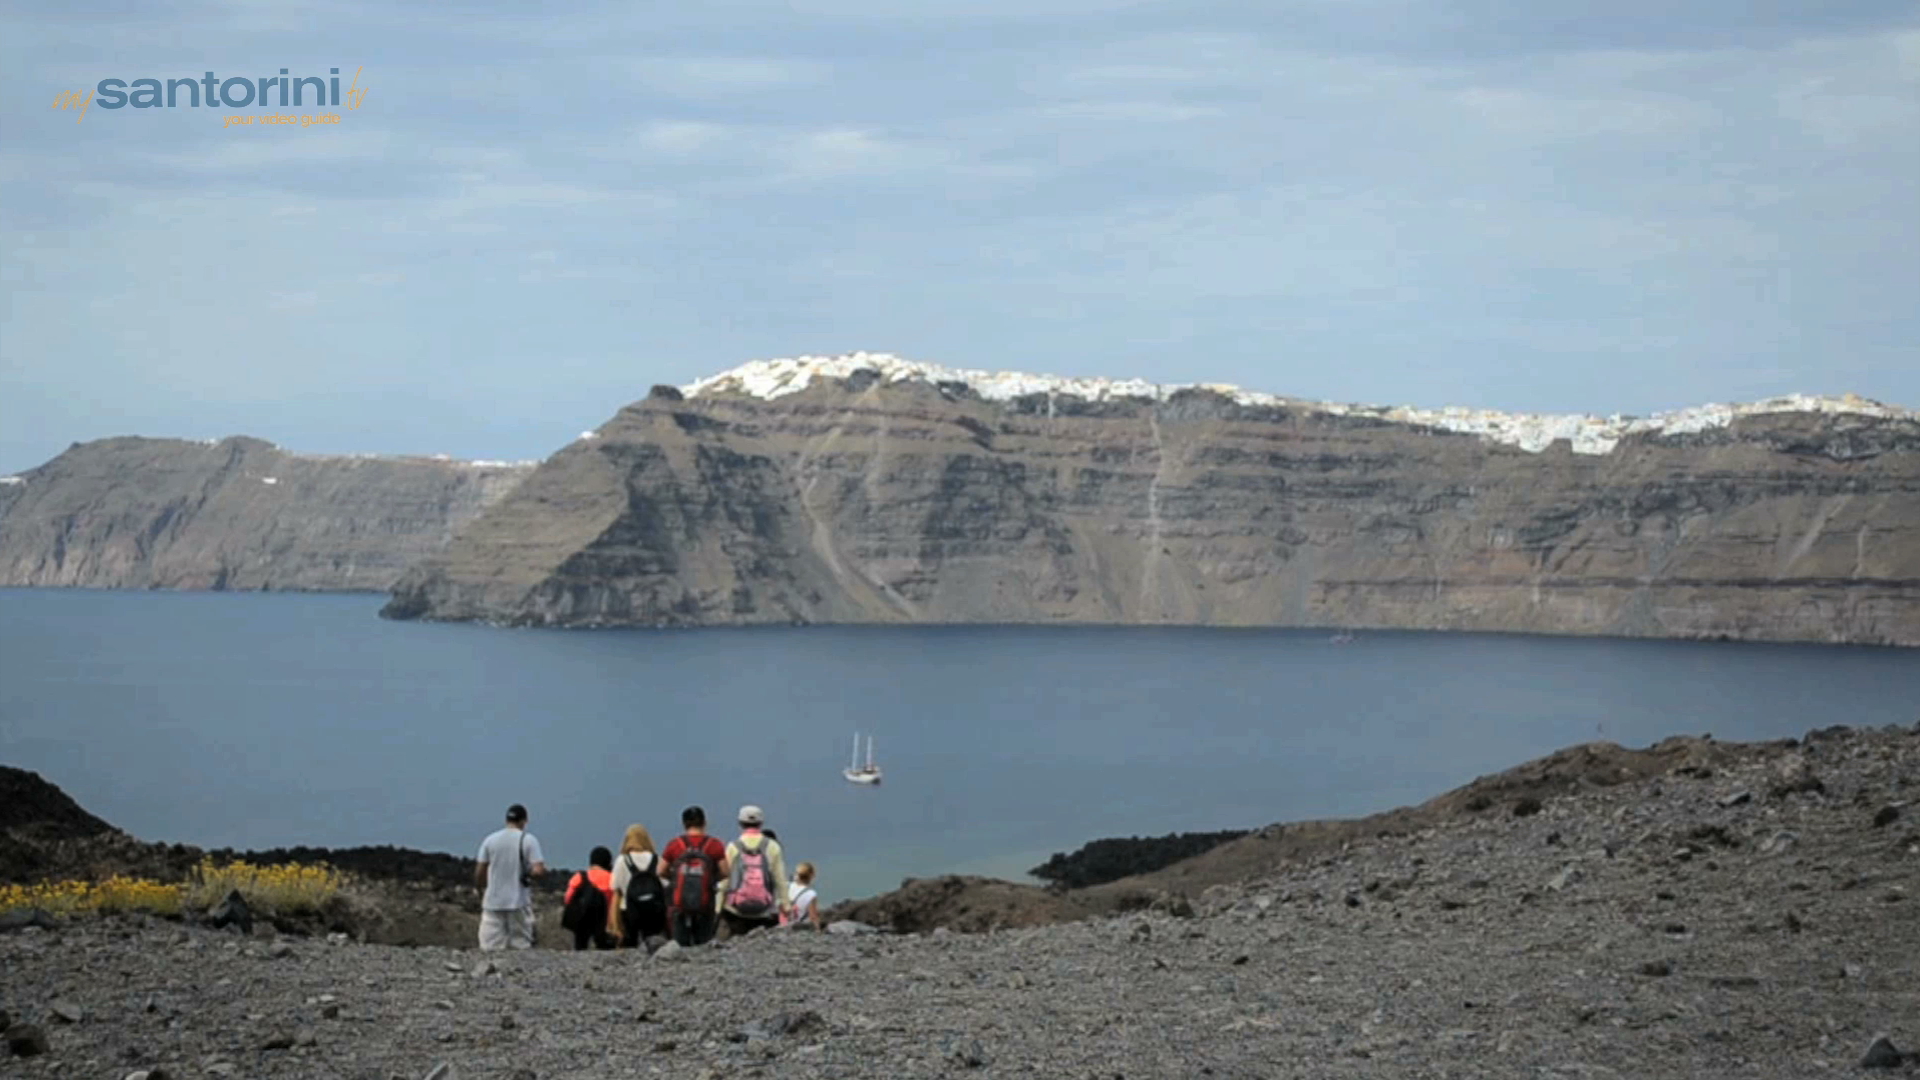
<point>751,815</point>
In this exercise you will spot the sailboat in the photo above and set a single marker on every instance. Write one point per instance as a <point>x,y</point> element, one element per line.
<point>855,772</point>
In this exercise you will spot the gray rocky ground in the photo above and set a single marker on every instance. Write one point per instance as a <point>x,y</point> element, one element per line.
<point>1758,917</point>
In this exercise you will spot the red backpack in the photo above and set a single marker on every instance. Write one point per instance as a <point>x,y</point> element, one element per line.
<point>692,874</point>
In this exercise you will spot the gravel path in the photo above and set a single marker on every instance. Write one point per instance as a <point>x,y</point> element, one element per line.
<point>1750,923</point>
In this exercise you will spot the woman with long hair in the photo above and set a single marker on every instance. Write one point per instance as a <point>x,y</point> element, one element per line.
<point>806,900</point>
<point>639,908</point>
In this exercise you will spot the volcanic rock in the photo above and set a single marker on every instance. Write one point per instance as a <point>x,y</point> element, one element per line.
<point>232,912</point>
<point>26,1040</point>
<point>1882,1055</point>
<point>868,489</point>
<point>240,513</point>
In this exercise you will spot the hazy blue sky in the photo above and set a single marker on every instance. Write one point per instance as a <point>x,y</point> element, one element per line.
<point>1551,205</point>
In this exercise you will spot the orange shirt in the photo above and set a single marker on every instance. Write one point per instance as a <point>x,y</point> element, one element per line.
<point>602,880</point>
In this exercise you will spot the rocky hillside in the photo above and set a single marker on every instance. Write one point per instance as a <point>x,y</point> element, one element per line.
<point>869,489</point>
<point>235,514</point>
<point>1700,911</point>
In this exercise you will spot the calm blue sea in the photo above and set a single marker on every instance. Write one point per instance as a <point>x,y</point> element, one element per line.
<point>259,720</point>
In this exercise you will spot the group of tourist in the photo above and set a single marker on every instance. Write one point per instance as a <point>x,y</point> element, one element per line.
<point>694,890</point>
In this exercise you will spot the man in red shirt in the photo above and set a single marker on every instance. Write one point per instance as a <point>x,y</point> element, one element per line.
<point>696,864</point>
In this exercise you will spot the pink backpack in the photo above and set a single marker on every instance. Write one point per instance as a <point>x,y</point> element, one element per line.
<point>750,892</point>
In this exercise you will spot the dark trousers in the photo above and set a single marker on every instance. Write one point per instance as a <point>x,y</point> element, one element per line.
<point>600,939</point>
<point>693,927</point>
<point>742,925</point>
<point>641,925</point>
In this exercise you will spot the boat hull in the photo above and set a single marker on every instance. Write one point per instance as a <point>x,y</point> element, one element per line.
<point>868,779</point>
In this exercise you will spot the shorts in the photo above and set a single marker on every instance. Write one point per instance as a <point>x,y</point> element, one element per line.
<point>506,929</point>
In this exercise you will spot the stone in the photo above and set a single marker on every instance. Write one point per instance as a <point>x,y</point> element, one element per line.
<point>443,1071</point>
<point>1737,798</point>
<point>1779,843</point>
<point>1881,1054</point>
<point>66,1012</point>
<point>1568,875</point>
<point>1801,781</point>
<point>34,919</point>
<point>330,1012</point>
<point>484,968</point>
<point>508,1022</point>
<point>1887,816</point>
<point>232,913</point>
<point>279,950</point>
<point>452,967</point>
<point>670,951</point>
<point>850,926</point>
<point>968,1054</point>
<point>279,1040</point>
<point>26,1040</point>
<point>796,1024</point>
<point>1657,968</point>
<point>306,1037</point>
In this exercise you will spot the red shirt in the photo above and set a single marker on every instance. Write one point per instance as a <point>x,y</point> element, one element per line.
<point>709,843</point>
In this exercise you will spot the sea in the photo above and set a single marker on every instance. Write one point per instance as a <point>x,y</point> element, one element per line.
<point>258,720</point>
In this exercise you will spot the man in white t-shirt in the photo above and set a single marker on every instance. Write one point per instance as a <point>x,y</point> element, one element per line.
<point>509,860</point>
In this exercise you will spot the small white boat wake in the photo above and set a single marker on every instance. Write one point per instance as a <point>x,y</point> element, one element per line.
<point>856,773</point>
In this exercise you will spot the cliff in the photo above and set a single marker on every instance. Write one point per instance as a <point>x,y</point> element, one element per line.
<point>235,514</point>
<point>869,489</point>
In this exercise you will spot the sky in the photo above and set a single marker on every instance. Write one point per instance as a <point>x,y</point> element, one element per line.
<point>537,213</point>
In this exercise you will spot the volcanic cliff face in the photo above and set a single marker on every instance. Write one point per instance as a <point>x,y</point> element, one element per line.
<point>235,514</point>
<point>866,489</point>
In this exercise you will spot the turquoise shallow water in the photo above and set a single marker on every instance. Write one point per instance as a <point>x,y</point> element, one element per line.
<point>258,720</point>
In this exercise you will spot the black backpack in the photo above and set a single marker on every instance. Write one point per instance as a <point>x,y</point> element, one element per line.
<point>588,908</point>
<point>644,891</point>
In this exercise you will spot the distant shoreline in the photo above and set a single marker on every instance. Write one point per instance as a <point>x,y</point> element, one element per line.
<point>1360,634</point>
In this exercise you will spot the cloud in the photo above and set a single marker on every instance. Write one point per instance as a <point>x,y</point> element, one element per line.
<point>1617,207</point>
<point>262,149</point>
<point>295,301</point>
<point>681,137</point>
<point>724,76</point>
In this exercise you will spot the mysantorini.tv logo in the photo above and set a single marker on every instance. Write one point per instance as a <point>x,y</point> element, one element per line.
<point>212,92</point>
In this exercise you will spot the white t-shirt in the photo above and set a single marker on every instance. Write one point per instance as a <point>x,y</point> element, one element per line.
<point>500,853</point>
<point>644,860</point>
<point>803,898</point>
